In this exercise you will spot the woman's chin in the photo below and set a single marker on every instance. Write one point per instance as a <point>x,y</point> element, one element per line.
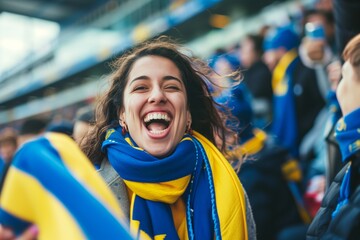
<point>159,151</point>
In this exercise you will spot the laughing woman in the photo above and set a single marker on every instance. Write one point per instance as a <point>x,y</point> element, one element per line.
<point>154,144</point>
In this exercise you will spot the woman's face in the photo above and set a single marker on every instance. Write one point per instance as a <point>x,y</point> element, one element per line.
<point>348,89</point>
<point>155,105</point>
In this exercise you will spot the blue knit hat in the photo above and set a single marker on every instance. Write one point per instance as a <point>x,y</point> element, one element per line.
<point>284,37</point>
<point>230,58</point>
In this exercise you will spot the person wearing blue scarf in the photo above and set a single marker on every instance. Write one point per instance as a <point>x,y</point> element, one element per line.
<point>283,43</point>
<point>297,100</point>
<point>339,216</point>
<point>154,140</point>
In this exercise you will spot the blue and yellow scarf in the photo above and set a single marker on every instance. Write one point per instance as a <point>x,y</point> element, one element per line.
<point>52,184</point>
<point>192,194</point>
<point>347,133</point>
<point>284,124</point>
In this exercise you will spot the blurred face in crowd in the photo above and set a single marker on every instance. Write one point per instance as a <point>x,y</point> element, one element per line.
<point>155,107</point>
<point>321,20</point>
<point>248,55</point>
<point>349,89</point>
<point>273,56</point>
<point>326,5</point>
<point>222,66</point>
<point>80,130</point>
<point>7,150</point>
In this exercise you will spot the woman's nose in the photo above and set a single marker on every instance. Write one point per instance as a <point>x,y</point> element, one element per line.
<point>157,95</point>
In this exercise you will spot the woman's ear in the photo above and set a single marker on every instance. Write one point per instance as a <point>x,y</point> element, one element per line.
<point>122,116</point>
<point>188,118</point>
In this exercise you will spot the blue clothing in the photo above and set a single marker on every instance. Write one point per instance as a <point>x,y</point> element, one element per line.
<point>238,100</point>
<point>2,166</point>
<point>348,136</point>
<point>2,171</point>
<point>285,121</point>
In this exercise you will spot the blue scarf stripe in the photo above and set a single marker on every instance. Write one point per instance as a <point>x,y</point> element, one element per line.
<point>189,209</point>
<point>347,134</point>
<point>144,167</point>
<point>212,192</point>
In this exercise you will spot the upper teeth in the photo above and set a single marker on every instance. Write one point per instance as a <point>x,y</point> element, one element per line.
<point>152,116</point>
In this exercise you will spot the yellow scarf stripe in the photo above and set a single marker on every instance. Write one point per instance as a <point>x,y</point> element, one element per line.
<point>255,144</point>
<point>279,84</point>
<point>14,203</point>
<point>250,147</point>
<point>230,198</point>
<point>83,171</point>
<point>167,192</point>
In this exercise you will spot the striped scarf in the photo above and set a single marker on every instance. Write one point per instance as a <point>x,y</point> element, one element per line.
<point>347,134</point>
<point>284,124</point>
<point>52,184</point>
<point>191,194</point>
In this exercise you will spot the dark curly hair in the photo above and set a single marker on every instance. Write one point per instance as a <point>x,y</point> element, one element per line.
<point>206,119</point>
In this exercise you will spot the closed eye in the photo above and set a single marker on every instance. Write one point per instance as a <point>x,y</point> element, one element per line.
<point>139,88</point>
<point>173,87</point>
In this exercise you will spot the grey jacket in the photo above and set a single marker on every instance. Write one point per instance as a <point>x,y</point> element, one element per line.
<point>117,185</point>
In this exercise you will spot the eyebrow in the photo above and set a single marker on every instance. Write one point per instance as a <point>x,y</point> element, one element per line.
<point>144,77</point>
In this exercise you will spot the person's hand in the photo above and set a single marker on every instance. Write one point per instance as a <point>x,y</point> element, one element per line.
<point>29,234</point>
<point>314,48</point>
<point>334,73</point>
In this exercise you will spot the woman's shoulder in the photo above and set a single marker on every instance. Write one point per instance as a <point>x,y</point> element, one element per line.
<point>116,184</point>
<point>251,227</point>
<point>107,172</point>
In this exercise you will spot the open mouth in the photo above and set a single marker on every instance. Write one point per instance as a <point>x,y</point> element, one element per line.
<point>157,122</point>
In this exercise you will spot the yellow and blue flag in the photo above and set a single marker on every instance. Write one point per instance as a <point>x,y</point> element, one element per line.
<point>52,184</point>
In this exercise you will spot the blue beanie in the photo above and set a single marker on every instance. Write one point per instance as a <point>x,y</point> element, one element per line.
<point>230,58</point>
<point>281,37</point>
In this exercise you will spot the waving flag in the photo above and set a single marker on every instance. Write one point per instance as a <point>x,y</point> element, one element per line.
<point>52,184</point>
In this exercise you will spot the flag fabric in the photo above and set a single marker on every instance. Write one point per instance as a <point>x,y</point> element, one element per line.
<point>52,184</point>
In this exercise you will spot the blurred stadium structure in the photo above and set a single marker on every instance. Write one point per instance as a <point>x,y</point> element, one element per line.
<point>59,60</point>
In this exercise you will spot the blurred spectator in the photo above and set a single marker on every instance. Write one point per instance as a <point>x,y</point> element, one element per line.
<point>317,51</point>
<point>347,25</point>
<point>230,93</point>
<point>318,45</point>
<point>8,147</point>
<point>297,100</point>
<point>274,194</point>
<point>326,5</point>
<point>257,78</point>
<point>8,144</point>
<point>223,63</point>
<point>339,216</point>
<point>30,129</point>
<point>272,180</point>
<point>84,119</point>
